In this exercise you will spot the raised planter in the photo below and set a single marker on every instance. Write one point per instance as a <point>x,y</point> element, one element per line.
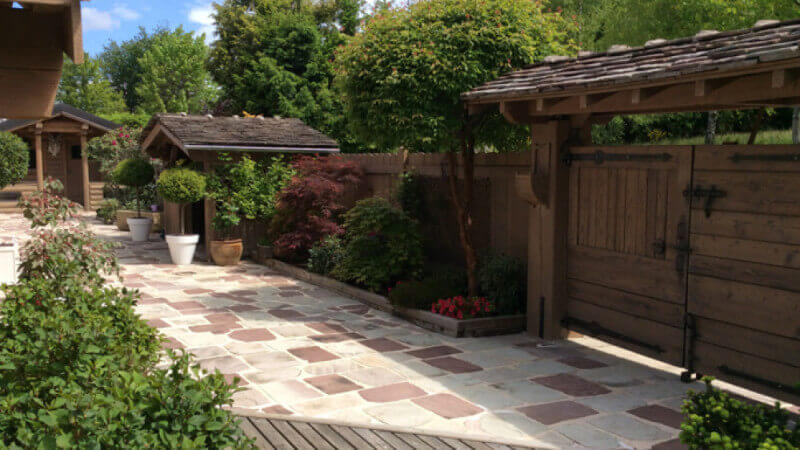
<point>486,326</point>
<point>124,214</point>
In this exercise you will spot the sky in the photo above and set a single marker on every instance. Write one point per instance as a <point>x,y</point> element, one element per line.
<point>119,20</point>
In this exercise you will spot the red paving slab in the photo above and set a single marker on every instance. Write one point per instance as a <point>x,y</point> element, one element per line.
<point>391,393</point>
<point>579,362</point>
<point>659,414</point>
<point>252,335</point>
<point>326,328</point>
<point>551,413</point>
<point>572,385</point>
<point>434,352</point>
<point>332,384</point>
<point>448,406</point>
<point>313,354</point>
<point>383,345</point>
<point>453,365</point>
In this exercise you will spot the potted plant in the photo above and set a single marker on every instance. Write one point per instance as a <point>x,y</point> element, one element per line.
<point>182,186</point>
<point>136,173</point>
<point>226,251</point>
<point>264,248</point>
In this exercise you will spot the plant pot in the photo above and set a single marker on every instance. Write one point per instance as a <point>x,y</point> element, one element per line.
<point>264,253</point>
<point>124,214</point>
<point>226,253</point>
<point>182,247</point>
<point>140,228</point>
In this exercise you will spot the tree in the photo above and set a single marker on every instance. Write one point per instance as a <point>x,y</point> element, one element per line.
<point>13,159</point>
<point>277,59</point>
<point>173,74</point>
<point>402,78</point>
<point>120,63</point>
<point>84,86</point>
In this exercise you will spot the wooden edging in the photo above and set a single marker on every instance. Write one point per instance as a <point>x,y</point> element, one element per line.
<point>488,326</point>
<point>388,428</point>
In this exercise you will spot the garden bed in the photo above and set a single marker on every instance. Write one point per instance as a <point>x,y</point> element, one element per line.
<point>486,326</point>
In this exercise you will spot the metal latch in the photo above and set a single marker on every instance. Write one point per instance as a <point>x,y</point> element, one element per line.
<point>709,195</point>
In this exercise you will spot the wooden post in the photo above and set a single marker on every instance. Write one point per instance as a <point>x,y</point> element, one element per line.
<point>547,231</point>
<point>39,157</point>
<point>209,209</point>
<point>87,193</point>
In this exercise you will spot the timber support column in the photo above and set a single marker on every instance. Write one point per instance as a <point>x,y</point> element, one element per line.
<point>547,230</point>
<point>209,210</point>
<point>87,193</point>
<point>39,157</point>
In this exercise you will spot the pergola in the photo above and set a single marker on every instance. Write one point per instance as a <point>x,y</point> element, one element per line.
<point>683,253</point>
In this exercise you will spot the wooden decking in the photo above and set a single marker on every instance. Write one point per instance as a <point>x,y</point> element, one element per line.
<point>280,432</point>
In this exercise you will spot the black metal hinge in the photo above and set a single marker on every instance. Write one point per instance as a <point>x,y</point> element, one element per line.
<point>600,157</point>
<point>597,329</point>
<point>776,157</point>
<point>762,381</point>
<point>709,195</point>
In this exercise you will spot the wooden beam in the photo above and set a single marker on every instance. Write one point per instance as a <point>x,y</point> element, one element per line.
<point>87,189</point>
<point>700,88</point>
<point>39,156</point>
<point>636,96</point>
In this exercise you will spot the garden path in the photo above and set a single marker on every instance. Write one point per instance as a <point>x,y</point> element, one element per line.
<point>305,351</point>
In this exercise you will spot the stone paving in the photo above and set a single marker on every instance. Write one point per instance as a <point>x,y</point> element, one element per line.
<point>307,351</point>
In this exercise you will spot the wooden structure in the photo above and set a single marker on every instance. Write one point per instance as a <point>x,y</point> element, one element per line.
<point>688,254</point>
<point>199,140</point>
<point>58,147</point>
<point>34,36</point>
<point>280,432</point>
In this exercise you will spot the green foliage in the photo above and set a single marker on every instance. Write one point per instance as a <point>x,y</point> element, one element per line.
<point>13,159</point>
<point>403,76</point>
<point>173,74</point>
<point>503,281</point>
<point>107,212</point>
<point>714,420</point>
<point>115,146</point>
<point>225,218</point>
<point>84,86</point>
<point>381,245</point>
<point>277,59</point>
<point>325,255</point>
<point>134,172</point>
<point>128,119</point>
<point>47,207</point>
<point>440,283</point>
<point>181,185</point>
<point>411,196</point>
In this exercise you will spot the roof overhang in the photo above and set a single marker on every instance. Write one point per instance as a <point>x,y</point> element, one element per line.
<point>259,149</point>
<point>33,40</point>
<point>58,128</point>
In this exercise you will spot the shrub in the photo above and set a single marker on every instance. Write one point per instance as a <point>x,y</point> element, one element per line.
<point>309,206</point>
<point>420,294</point>
<point>381,245</point>
<point>225,218</point>
<point>134,173</point>
<point>713,420</point>
<point>463,308</point>
<point>503,280</point>
<point>115,146</point>
<point>325,255</point>
<point>47,207</point>
<point>13,159</point>
<point>180,185</point>
<point>107,212</point>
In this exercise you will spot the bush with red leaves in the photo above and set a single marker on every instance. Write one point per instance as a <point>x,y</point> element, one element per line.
<point>463,308</point>
<point>308,207</point>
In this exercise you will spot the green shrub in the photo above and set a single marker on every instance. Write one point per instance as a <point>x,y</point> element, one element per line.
<point>181,185</point>
<point>134,173</point>
<point>225,218</point>
<point>421,294</point>
<point>107,212</point>
<point>503,281</point>
<point>47,207</point>
<point>381,245</point>
<point>713,420</point>
<point>13,159</point>
<point>325,255</point>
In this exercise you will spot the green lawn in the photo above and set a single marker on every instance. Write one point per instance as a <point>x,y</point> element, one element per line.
<point>764,137</point>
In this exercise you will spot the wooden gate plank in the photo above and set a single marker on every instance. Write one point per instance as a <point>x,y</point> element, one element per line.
<point>717,157</point>
<point>762,345</point>
<point>746,272</point>
<point>745,225</point>
<point>625,302</point>
<point>774,193</point>
<point>743,250</point>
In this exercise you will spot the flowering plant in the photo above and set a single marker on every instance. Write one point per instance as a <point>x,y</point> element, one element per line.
<point>47,207</point>
<point>463,308</point>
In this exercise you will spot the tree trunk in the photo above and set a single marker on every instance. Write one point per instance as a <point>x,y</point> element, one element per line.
<point>756,126</point>
<point>463,206</point>
<point>796,125</point>
<point>711,127</point>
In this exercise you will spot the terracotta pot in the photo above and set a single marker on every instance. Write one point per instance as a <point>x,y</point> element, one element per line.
<point>226,253</point>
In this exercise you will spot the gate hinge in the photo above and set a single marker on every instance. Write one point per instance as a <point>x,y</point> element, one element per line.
<point>709,195</point>
<point>599,157</point>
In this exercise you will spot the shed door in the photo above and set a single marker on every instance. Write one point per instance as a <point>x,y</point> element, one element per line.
<point>627,241</point>
<point>744,273</point>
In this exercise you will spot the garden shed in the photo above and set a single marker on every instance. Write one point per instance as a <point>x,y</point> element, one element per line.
<point>688,254</point>
<point>202,139</point>
<point>58,150</point>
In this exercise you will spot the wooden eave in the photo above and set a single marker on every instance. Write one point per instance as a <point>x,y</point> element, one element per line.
<point>765,84</point>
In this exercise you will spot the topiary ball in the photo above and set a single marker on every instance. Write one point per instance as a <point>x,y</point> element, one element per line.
<point>13,159</point>
<point>133,172</point>
<point>181,185</point>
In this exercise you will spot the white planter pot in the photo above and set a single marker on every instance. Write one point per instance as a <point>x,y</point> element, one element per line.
<point>9,263</point>
<point>140,228</point>
<point>181,248</point>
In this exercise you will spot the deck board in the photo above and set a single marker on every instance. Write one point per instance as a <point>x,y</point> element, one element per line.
<point>281,432</point>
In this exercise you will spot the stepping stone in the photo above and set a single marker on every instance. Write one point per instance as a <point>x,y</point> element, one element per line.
<point>326,328</point>
<point>659,414</point>
<point>332,384</point>
<point>391,393</point>
<point>313,354</point>
<point>383,345</point>
<point>582,363</point>
<point>572,385</point>
<point>447,406</point>
<point>434,352</point>
<point>552,413</point>
<point>252,335</point>
<point>453,365</point>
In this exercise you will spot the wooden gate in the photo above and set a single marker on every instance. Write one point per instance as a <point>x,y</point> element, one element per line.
<point>744,272</point>
<point>627,242</point>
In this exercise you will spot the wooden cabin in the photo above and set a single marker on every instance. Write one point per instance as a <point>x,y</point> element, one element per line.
<point>56,145</point>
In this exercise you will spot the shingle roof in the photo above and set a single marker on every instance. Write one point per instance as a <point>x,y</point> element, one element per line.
<point>655,61</point>
<point>66,110</point>
<point>198,131</point>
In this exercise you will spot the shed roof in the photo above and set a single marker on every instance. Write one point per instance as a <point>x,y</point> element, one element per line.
<point>266,134</point>
<point>63,110</point>
<point>658,60</point>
